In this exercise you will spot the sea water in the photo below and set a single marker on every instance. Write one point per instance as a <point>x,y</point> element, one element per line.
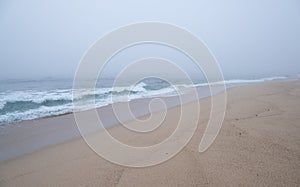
<point>24,99</point>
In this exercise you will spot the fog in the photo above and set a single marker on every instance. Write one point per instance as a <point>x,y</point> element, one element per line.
<point>249,39</point>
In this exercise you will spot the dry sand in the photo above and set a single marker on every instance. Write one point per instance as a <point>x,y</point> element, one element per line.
<point>258,145</point>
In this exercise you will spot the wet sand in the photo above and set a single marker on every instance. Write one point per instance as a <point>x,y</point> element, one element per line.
<point>259,144</point>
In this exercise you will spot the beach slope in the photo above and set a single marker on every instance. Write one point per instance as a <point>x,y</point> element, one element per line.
<point>259,144</point>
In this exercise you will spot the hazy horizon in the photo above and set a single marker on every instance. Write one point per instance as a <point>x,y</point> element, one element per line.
<point>249,39</point>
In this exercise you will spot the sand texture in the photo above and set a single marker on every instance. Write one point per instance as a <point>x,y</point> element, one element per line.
<point>258,145</point>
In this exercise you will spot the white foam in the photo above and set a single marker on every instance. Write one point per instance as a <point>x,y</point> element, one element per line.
<point>139,87</point>
<point>132,92</point>
<point>2,104</point>
<point>34,96</point>
<point>35,113</point>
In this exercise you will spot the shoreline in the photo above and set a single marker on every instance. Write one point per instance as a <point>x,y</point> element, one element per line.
<point>258,144</point>
<point>64,127</point>
<point>200,87</point>
<point>69,130</point>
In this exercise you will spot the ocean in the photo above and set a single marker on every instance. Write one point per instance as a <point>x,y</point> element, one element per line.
<point>31,99</point>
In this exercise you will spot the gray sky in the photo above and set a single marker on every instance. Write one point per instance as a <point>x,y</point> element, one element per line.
<point>249,38</point>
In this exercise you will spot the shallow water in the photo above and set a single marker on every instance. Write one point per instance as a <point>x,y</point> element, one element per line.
<point>31,99</point>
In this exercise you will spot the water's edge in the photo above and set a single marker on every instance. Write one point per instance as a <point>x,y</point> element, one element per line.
<point>24,137</point>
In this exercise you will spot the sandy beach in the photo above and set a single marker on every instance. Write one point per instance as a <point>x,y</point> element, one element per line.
<point>258,145</point>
